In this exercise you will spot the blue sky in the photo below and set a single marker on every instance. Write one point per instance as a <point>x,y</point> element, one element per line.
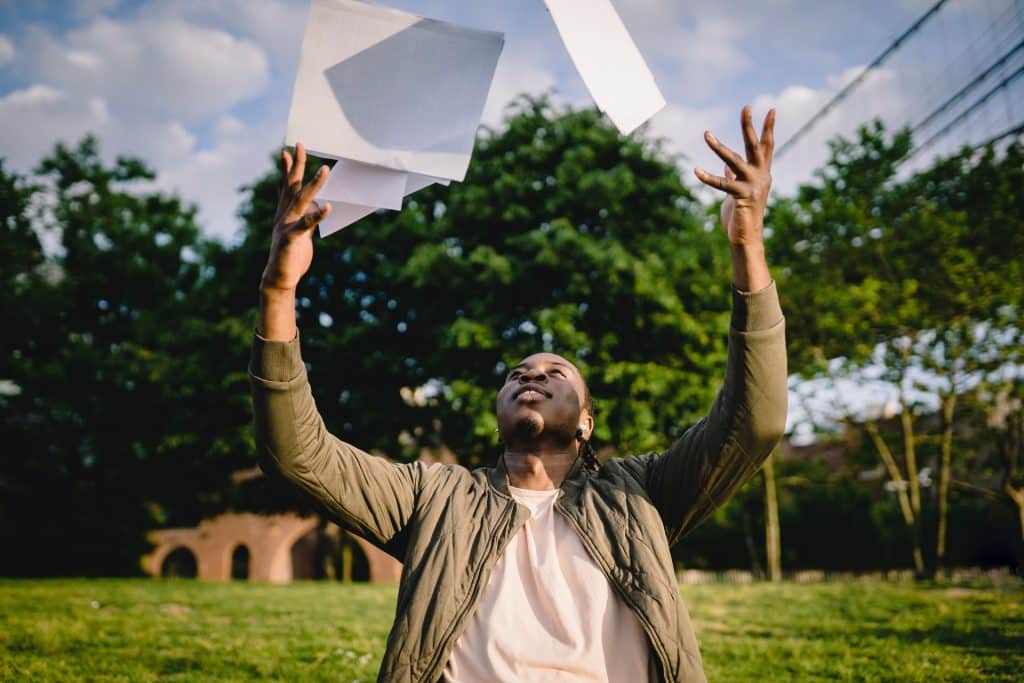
<point>200,88</point>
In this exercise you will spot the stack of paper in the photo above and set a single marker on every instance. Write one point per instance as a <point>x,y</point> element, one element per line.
<point>608,60</point>
<point>395,98</point>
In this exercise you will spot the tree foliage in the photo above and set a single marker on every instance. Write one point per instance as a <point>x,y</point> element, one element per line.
<point>129,411</point>
<point>919,277</point>
<point>124,401</point>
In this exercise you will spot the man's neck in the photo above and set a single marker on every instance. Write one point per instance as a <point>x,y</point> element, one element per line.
<point>538,470</point>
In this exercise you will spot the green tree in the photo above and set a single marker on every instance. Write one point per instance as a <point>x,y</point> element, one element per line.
<point>997,437</point>
<point>132,409</point>
<point>913,276</point>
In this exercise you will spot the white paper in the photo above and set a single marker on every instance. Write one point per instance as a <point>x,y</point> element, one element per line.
<point>344,214</point>
<point>391,89</point>
<point>416,182</point>
<point>366,185</point>
<point>608,60</point>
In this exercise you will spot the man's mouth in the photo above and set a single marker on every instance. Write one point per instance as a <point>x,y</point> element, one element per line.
<point>531,391</point>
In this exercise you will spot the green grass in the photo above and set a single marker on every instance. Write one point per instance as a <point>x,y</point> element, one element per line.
<point>139,630</point>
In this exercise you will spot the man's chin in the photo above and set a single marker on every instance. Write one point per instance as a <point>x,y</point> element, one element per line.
<point>529,425</point>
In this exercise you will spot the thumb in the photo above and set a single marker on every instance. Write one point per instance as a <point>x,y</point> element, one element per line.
<point>314,214</point>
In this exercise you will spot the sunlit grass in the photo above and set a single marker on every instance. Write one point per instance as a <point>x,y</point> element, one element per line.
<point>139,630</point>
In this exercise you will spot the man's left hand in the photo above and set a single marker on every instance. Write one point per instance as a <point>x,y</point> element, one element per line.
<point>746,182</point>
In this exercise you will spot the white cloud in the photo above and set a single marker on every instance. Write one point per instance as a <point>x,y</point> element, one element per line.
<point>166,68</point>
<point>34,119</point>
<point>146,84</point>
<point>7,50</point>
<point>683,126</point>
<point>797,104</point>
<point>229,126</point>
<point>275,25</point>
<point>212,177</point>
<point>693,51</point>
<point>512,79</point>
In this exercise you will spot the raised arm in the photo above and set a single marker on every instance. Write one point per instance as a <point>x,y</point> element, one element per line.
<point>712,459</point>
<point>363,493</point>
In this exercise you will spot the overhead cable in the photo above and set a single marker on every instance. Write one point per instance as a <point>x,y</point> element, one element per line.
<point>875,63</point>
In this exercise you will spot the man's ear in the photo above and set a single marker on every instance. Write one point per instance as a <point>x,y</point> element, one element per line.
<point>586,424</point>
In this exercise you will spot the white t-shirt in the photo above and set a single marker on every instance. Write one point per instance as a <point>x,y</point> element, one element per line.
<point>548,613</point>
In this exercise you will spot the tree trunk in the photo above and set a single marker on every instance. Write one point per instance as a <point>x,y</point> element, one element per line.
<point>772,531</point>
<point>748,538</point>
<point>910,456</point>
<point>948,407</point>
<point>346,559</point>
<point>1017,497</point>
<point>902,487</point>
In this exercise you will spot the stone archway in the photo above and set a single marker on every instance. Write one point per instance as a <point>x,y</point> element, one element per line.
<point>179,563</point>
<point>240,562</point>
<point>327,552</point>
<point>268,540</point>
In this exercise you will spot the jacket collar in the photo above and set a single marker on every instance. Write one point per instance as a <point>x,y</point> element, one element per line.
<point>497,476</point>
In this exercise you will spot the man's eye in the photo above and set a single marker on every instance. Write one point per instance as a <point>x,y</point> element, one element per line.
<point>557,372</point>
<point>512,376</point>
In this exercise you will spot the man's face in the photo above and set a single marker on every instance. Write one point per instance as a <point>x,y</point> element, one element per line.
<point>542,399</point>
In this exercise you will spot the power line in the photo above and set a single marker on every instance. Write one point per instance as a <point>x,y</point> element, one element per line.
<point>965,113</point>
<point>959,95</point>
<point>841,95</point>
<point>1013,130</point>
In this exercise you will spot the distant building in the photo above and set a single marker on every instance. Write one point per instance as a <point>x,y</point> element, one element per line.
<point>272,548</point>
<point>263,548</point>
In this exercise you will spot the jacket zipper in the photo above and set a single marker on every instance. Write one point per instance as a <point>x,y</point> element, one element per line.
<point>474,597</point>
<point>595,556</point>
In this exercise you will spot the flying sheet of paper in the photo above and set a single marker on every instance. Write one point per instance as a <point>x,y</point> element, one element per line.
<point>395,99</point>
<point>391,89</point>
<point>608,60</point>
<point>353,182</point>
<point>337,191</point>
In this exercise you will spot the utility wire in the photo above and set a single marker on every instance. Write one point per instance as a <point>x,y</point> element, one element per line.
<point>841,95</point>
<point>966,112</point>
<point>1010,132</point>
<point>959,95</point>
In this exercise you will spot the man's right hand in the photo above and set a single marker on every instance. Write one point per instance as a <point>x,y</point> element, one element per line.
<point>291,246</point>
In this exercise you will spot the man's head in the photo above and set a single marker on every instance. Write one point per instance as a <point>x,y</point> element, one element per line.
<point>544,403</point>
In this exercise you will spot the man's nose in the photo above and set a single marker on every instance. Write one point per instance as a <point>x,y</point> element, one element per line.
<point>533,376</point>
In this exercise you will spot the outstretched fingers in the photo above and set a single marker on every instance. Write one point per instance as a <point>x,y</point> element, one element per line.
<point>298,169</point>
<point>286,163</point>
<point>750,142</point>
<point>731,158</point>
<point>311,190</point>
<point>294,166</point>
<point>716,181</point>
<point>768,136</point>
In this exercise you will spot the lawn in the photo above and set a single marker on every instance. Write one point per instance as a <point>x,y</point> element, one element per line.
<point>149,630</point>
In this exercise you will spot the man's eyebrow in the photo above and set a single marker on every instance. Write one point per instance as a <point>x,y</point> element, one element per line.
<point>554,362</point>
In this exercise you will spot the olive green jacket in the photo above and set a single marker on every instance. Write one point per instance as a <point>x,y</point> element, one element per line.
<point>449,525</point>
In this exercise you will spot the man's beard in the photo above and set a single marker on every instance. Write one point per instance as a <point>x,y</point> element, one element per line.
<point>528,427</point>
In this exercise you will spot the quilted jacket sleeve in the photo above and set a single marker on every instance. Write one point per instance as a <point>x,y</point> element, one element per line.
<point>714,457</point>
<point>363,493</point>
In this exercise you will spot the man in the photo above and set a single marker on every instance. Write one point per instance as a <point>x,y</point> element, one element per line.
<point>547,566</point>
